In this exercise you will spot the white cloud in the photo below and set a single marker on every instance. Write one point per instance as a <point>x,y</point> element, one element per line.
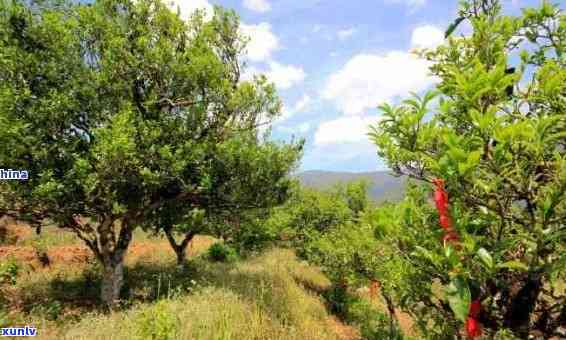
<point>300,106</point>
<point>343,142</point>
<point>257,5</point>
<point>427,36</point>
<point>351,129</point>
<point>304,127</point>
<point>346,33</point>
<point>411,3</point>
<point>361,156</point>
<point>415,3</point>
<point>316,28</point>
<point>303,103</point>
<point>368,80</point>
<point>301,128</point>
<point>187,7</point>
<point>285,76</point>
<point>262,41</point>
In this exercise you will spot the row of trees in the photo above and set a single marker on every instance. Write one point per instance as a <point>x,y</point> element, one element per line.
<point>128,117</point>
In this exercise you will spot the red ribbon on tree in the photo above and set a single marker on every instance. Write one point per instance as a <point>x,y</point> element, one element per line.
<point>441,201</point>
<point>473,327</point>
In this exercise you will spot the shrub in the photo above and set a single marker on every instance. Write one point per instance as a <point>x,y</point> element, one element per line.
<point>51,311</point>
<point>310,213</point>
<point>373,323</point>
<point>247,232</point>
<point>220,252</point>
<point>157,323</point>
<point>338,300</point>
<point>9,271</point>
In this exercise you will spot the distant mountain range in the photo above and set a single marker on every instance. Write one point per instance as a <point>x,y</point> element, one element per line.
<point>383,185</point>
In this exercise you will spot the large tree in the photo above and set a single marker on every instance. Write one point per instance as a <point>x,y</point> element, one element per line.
<point>495,150</point>
<point>121,110</point>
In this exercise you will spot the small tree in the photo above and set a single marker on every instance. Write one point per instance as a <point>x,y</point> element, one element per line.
<point>498,142</point>
<point>246,176</point>
<point>119,110</point>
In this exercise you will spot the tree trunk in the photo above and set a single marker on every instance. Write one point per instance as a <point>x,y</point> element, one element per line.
<point>180,252</point>
<point>179,249</point>
<point>112,281</point>
<point>393,321</point>
<point>522,305</point>
<point>109,242</point>
<point>112,254</point>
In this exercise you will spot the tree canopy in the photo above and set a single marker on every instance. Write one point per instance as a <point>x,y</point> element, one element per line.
<point>495,147</point>
<point>121,112</point>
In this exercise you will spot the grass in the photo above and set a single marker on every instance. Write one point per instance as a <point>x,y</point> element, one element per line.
<point>255,299</point>
<point>270,296</point>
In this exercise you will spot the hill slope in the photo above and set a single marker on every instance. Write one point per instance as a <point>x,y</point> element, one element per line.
<point>383,185</point>
<point>273,295</point>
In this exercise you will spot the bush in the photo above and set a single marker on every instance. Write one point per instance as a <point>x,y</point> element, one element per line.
<point>373,323</point>
<point>252,234</point>
<point>338,300</point>
<point>220,252</point>
<point>157,323</point>
<point>51,311</point>
<point>310,213</point>
<point>9,271</point>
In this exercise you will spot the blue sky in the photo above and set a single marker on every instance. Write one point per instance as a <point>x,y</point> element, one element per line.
<point>334,61</point>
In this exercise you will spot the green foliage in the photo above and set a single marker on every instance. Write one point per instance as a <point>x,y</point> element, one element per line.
<point>356,195</point>
<point>156,323</point>
<point>220,252</point>
<point>9,271</point>
<point>346,253</point>
<point>459,297</point>
<point>335,230</point>
<point>126,115</point>
<point>51,310</point>
<point>253,234</point>
<point>497,139</point>
<point>338,300</point>
<point>309,213</point>
<point>373,323</point>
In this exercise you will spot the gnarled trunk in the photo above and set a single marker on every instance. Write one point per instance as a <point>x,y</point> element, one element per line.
<point>180,253</point>
<point>179,249</point>
<point>111,255</point>
<point>112,281</point>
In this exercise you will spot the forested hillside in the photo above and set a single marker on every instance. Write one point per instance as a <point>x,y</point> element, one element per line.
<point>383,185</point>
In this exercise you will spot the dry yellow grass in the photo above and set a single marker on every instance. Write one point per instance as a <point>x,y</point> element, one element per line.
<point>271,296</point>
<point>257,299</point>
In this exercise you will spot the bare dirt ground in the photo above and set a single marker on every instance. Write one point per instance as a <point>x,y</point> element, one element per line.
<point>77,253</point>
